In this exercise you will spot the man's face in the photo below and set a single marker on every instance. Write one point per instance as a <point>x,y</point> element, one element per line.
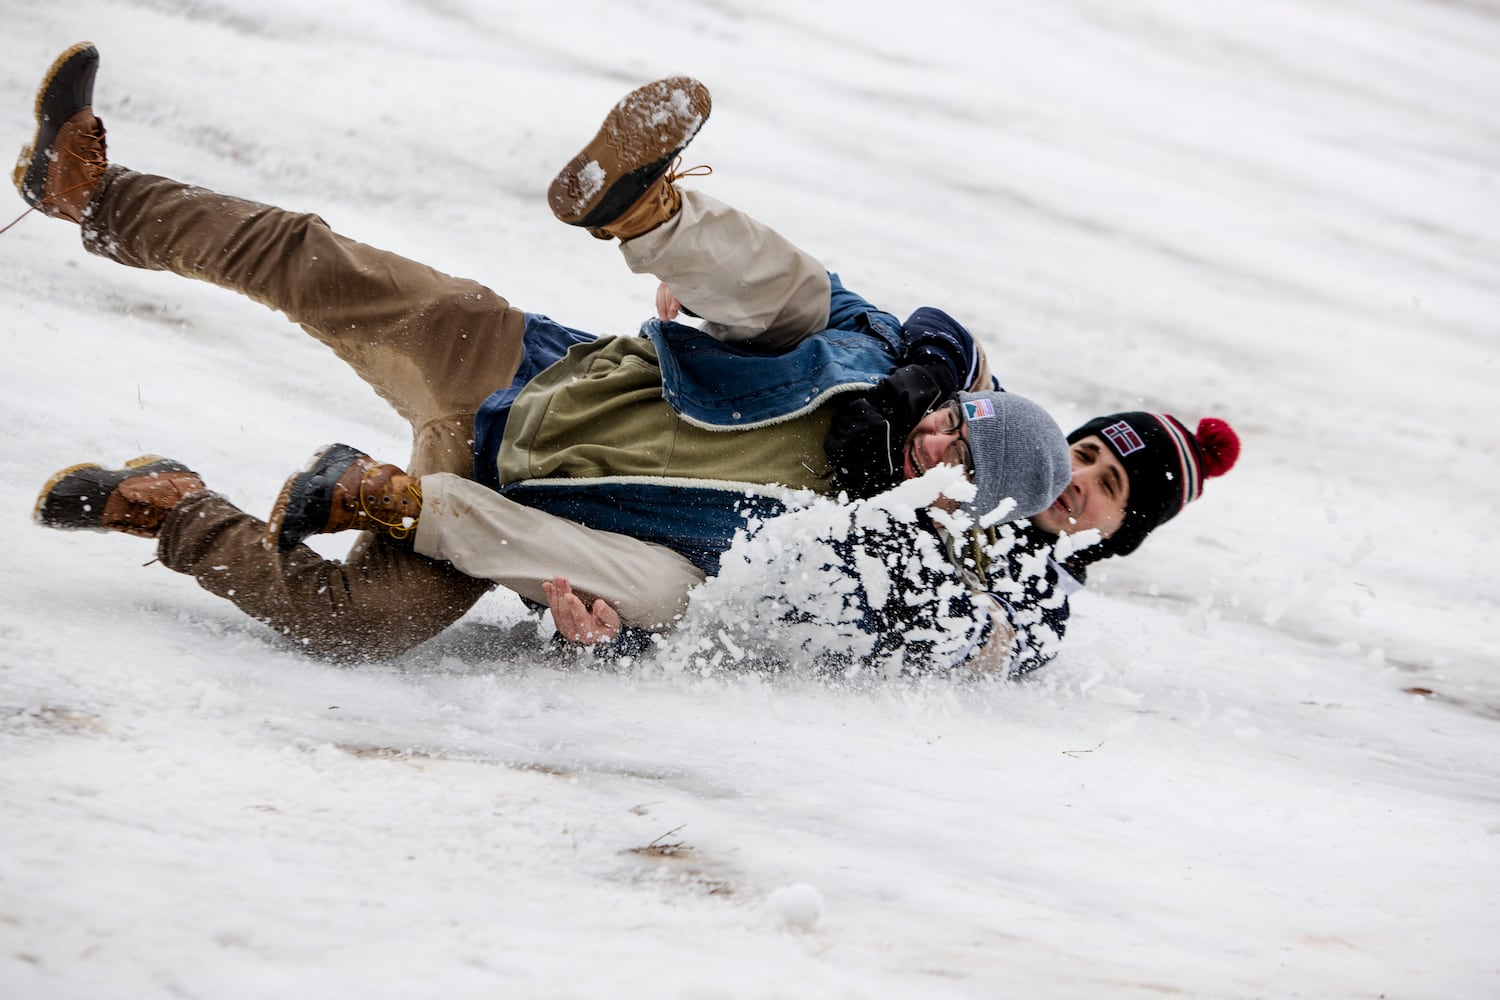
<point>940,438</point>
<point>1096,495</point>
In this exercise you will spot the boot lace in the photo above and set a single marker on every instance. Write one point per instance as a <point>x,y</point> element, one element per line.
<point>674,175</point>
<point>94,161</point>
<point>398,530</point>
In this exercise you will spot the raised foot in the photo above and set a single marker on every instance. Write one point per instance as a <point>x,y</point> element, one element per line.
<point>634,147</point>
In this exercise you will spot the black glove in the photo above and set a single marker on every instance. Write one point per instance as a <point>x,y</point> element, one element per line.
<point>935,338</point>
<point>868,435</point>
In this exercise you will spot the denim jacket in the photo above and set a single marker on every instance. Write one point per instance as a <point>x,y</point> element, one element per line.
<point>712,384</point>
<point>720,385</point>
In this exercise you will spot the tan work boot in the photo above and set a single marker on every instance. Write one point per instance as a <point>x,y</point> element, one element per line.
<point>344,489</point>
<point>621,184</point>
<point>134,499</point>
<point>58,171</point>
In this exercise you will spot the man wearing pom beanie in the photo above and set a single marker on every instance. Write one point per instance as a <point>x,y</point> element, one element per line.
<point>1163,470</point>
<point>1132,473</point>
<point>1165,466</point>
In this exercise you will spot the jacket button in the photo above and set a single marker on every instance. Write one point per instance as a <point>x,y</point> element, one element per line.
<point>736,414</point>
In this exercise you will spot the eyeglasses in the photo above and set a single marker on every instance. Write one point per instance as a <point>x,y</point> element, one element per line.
<point>958,453</point>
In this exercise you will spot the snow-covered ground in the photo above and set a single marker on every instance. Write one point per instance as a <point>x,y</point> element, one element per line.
<point>1268,763</point>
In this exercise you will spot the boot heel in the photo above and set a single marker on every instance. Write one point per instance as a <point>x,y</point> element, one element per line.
<point>140,460</point>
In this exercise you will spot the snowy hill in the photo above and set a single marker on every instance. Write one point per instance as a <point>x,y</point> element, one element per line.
<point>1268,763</point>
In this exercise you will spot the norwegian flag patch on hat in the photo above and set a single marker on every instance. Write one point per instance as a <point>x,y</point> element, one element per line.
<point>1124,438</point>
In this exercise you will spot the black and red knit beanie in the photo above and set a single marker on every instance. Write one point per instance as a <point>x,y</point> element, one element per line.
<point>1166,463</point>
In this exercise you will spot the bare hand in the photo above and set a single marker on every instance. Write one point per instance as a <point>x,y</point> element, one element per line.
<point>575,621</point>
<point>667,306</point>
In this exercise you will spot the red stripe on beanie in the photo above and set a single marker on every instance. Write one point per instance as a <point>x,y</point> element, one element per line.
<point>1187,459</point>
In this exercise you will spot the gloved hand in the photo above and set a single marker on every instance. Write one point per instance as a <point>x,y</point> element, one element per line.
<point>938,340</point>
<point>868,435</point>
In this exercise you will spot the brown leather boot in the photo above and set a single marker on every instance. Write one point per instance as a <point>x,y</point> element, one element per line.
<point>621,184</point>
<point>58,171</point>
<point>341,489</point>
<point>134,499</point>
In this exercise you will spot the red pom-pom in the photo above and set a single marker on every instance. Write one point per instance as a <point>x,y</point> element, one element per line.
<point>1220,446</point>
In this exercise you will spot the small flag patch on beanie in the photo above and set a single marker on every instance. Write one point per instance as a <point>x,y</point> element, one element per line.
<point>978,409</point>
<point>1124,438</point>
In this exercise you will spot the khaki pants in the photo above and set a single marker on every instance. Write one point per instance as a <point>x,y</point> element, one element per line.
<point>752,286</point>
<point>433,346</point>
<point>494,538</point>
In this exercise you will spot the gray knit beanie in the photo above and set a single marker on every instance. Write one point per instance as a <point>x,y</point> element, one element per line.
<point>1019,452</point>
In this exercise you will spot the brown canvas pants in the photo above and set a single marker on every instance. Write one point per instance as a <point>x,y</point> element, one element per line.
<point>431,345</point>
<point>434,347</point>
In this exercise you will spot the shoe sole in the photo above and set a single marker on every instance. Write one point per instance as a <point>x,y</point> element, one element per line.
<point>67,89</point>
<point>634,146</point>
<point>72,510</point>
<point>306,498</point>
